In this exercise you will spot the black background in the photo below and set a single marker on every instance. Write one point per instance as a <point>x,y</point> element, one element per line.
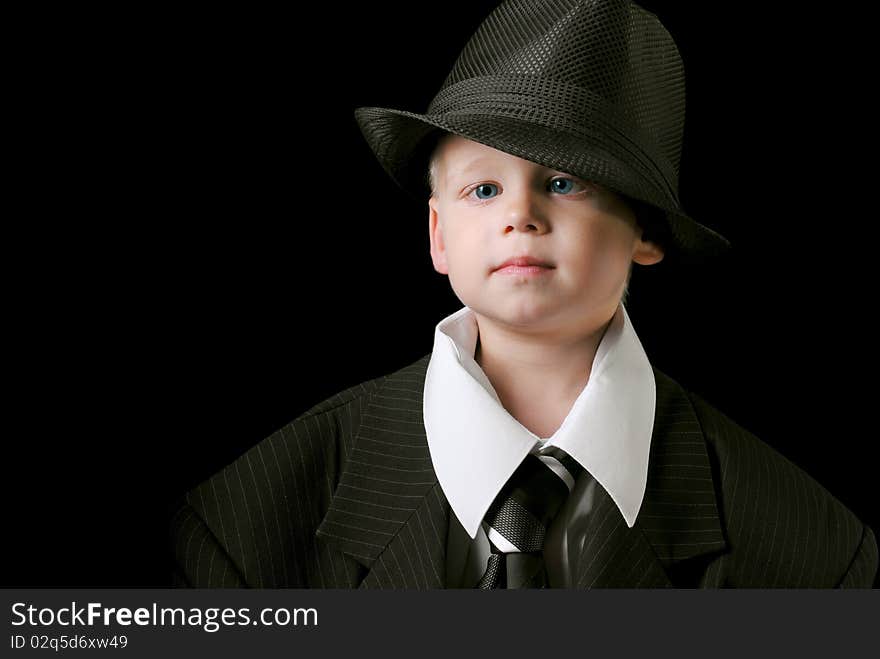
<point>206,247</point>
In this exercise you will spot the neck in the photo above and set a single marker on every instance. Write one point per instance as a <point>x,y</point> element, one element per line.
<point>537,377</point>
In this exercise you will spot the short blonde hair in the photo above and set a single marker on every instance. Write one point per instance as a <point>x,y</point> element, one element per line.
<point>434,162</point>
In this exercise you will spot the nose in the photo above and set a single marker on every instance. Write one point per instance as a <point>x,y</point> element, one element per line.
<point>523,212</point>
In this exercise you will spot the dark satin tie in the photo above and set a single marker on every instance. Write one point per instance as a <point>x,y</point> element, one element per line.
<point>521,514</point>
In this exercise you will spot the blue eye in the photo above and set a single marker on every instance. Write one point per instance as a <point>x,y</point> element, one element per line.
<point>567,185</point>
<point>483,187</point>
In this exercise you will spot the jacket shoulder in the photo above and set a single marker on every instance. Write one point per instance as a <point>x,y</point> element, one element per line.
<point>783,527</point>
<point>253,522</point>
<point>413,372</point>
<point>344,397</point>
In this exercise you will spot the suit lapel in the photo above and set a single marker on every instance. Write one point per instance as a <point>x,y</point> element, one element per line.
<point>678,525</point>
<point>613,555</point>
<point>388,511</point>
<point>390,514</point>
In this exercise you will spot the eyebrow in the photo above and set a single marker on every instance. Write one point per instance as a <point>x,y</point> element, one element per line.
<point>473,164</point>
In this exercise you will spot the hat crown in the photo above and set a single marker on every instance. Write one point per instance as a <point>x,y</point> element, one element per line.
<point>612,49</point>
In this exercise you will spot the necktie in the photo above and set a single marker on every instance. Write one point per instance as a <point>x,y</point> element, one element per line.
<point>517,521</point>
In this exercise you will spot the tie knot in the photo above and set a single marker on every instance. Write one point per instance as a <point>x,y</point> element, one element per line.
<point>530,500</point>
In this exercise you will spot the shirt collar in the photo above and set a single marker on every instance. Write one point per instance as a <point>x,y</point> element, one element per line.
<point>476,444</point>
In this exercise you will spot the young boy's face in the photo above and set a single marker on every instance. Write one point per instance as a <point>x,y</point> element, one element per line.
<point>489,206</point>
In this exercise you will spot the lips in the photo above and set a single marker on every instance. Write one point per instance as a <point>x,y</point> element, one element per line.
<point>525,261</point>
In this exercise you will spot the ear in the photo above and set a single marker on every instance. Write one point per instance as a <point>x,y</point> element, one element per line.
<point>646,252</point>
<point>435,235</point>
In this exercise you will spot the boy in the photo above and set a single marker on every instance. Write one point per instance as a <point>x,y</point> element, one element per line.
<point>535,446</point>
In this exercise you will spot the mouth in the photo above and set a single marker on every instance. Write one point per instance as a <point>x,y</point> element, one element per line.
<point>524,265</point>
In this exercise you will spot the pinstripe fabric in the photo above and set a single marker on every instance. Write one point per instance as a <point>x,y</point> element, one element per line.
<point>345,496</point>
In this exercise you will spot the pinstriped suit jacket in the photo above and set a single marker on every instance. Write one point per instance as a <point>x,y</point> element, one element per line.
<point>345,496</point>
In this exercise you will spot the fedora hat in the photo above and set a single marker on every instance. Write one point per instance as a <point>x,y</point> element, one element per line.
<point>592,88</point>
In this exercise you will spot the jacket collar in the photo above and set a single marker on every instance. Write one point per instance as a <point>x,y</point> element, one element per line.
<point>390,514</point>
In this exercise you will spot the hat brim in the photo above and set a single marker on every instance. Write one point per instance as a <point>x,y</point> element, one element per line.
<point>402,142</point>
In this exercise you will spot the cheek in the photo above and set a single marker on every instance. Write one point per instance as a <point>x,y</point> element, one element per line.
<point>599,254</point>
<point>463,259</point>
<point>465,250</point>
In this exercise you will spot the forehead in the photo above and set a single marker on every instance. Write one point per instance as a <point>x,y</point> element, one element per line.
<point>455,149</point>
<point>459,155</point>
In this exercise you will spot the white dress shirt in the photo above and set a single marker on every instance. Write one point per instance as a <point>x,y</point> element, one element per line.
<point>476,444</point>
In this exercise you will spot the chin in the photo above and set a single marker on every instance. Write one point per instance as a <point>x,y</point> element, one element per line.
<point>522,313</point>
